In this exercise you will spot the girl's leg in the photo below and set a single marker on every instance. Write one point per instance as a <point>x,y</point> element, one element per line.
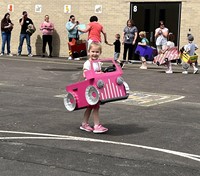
<point>169,67</point>
<point>144,63</point>
<point>95,114</point>
<point>85,124</point>
<point>87,115</point>
<point>98,128</point>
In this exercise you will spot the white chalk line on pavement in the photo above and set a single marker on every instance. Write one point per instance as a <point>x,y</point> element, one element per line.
<point>44,136</point>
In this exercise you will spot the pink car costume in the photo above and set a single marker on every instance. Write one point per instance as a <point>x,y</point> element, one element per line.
<point>97,88</point>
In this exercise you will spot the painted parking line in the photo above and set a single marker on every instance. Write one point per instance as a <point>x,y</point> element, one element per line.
<point>46,61</point>
<point>146,99</point>
<point>44,136</point>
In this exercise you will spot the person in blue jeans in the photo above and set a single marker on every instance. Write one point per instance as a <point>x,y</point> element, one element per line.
<point>6,28</point>
<point>25,22</point>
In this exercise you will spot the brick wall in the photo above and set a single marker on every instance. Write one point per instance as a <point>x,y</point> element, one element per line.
<point>113,18</point>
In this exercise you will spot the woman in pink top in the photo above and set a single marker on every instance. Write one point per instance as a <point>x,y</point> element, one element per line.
<point>47,31</point>
<point>94,29</point>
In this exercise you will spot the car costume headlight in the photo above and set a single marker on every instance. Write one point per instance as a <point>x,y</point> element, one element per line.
<point>92,95</point>
<point>100,84</point>
<point>70,101</point>
<point>120,80</point>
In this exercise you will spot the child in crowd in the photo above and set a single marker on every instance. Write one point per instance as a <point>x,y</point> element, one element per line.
<point>190,49</point>
<point>170,44</point>
<point>144,42</point>
<point>94,52</point>
<point>117,48</point>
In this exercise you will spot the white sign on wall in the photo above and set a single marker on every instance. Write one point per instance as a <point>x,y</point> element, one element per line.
<point>38,8</point>
<point>10,8</point>
<point>98,9</point>
<point>67,8</point>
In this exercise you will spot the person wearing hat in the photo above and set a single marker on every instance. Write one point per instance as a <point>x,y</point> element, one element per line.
<point>190,50</point>
<point>25,33</point>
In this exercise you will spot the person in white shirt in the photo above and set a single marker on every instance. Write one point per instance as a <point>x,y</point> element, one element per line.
<point>161,34</point>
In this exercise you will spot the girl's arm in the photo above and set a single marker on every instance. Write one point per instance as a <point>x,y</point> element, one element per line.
<point>142,43</point>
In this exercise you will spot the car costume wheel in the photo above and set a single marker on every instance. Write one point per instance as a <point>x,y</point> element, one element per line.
<point>92,95</point>
<point>126,88</point>
<point>83,53</point>
<point>166,59</point>
<point>70,101</point>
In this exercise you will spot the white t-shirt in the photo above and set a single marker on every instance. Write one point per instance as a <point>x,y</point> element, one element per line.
<point>96,66</point>
<point>170,44</point>
<point>161,40</point>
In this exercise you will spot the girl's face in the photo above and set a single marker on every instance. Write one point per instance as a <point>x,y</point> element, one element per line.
<point>94,52</point>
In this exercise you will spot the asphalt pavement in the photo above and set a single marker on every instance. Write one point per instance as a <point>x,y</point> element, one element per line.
<point>155,132</point>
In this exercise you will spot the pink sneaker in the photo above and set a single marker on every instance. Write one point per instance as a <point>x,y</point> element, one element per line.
<point>86,127</point>
<point>99,129</point>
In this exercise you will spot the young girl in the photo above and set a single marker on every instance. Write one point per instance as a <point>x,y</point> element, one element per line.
<point>170,44</point>
<point>94,52</point>
<point>144,42</point>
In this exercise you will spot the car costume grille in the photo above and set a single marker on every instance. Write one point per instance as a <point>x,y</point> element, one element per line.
<point>112,91</point>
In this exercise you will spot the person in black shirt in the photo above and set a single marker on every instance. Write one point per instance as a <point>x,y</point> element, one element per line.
<point>26,24</point>
<point>117,48</point>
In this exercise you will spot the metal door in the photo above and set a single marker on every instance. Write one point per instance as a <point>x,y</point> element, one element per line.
<point>147,15</point>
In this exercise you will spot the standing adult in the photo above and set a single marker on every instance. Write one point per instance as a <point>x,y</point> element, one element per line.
<point>161,34</point>
<point>47,28</point>
<point>72,28</point>
<point>6,28</point>
<point>130,34</point>
<point>26,24</point>
<point>94,29</point>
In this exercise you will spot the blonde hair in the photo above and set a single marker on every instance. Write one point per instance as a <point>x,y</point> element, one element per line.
<point>142,34</point>
<point>95,44</point>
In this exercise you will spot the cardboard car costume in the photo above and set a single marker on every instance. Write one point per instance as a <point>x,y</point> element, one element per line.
<point>103,87</point>
<point>167,55</point>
